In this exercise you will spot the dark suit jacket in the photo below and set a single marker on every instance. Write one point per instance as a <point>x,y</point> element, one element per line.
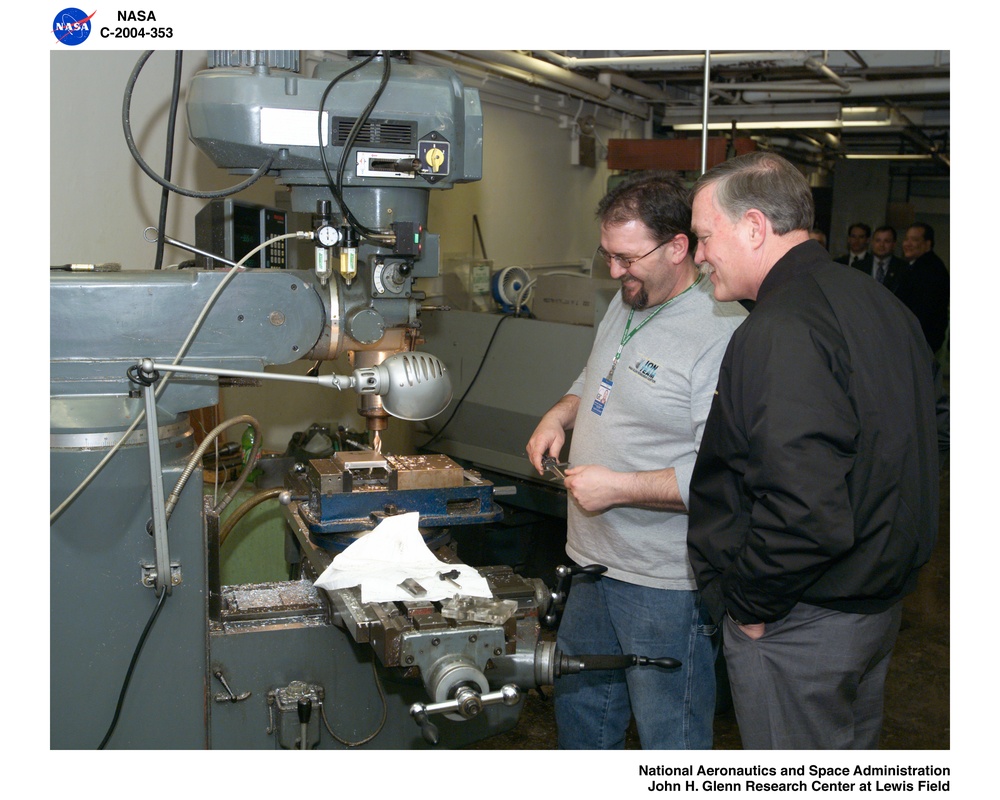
<point>865,264</point>
<point>925,288</point>
<point>895,271</point>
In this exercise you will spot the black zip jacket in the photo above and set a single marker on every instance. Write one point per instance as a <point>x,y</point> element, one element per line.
<point>817,476</point>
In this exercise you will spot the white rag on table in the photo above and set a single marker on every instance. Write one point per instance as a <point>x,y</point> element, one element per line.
<point>390,553</point>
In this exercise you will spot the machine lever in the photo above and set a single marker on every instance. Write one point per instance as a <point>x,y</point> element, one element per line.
<point>304,708</point>
<point>429,730</point>
<point>571,665</point>
<point>467,703</point>
<point>230,696</point>
<point>564,577</point>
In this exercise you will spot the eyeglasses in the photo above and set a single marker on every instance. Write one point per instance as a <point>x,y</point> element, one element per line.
<point>622,261</point>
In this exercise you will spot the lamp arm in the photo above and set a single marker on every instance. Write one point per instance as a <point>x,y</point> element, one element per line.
<point>149,366</point>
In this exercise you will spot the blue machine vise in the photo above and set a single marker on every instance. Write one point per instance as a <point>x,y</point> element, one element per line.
<point>354,490</point>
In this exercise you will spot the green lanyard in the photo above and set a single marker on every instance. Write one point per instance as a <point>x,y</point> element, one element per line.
<point>629,333</point>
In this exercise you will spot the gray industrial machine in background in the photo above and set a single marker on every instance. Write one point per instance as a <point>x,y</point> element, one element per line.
<point>149,649</point>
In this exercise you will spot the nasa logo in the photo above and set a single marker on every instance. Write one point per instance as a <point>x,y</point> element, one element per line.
<point>72,26</point>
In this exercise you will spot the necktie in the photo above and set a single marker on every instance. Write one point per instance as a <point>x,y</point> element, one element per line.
<point>880,273</point>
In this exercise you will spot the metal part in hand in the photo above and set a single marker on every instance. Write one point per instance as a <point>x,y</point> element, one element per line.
<point>549,464</point>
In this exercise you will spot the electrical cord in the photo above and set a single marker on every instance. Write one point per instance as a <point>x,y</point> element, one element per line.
<point>331,183</point>
<point>130,141</point>
<point>472,383</point>
<point>359,123</point>
<point>168,160</point>
<point>131,667</point>
<point>525,291</point>
<point>336,186</point>
<point>378,728</point>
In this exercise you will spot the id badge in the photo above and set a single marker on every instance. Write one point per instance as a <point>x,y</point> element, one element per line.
<point>602,396</point>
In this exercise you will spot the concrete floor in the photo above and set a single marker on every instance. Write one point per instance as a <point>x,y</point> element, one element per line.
<point>917,703</point>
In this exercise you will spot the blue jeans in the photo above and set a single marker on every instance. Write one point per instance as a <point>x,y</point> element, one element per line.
<point>673,709</point>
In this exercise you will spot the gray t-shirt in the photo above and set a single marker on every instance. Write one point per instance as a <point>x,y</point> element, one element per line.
<point>653,418</point>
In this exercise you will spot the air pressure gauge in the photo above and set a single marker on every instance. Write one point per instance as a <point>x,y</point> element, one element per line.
<point>327,235</point>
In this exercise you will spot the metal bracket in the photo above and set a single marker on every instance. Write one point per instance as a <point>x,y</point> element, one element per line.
<point>149,574</point>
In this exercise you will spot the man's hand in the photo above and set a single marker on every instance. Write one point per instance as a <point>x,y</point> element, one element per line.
<point>550,435</point>
<point>755,630</point>
<point>597,488</point>
<point>548,439</point>
<point>593,487</point>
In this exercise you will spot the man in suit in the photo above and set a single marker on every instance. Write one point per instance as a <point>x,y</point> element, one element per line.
<point>886,268</point>
<point>858,236</point>
<point>925,285</point>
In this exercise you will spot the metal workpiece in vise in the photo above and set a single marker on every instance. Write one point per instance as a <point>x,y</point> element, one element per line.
<point>564,578</point>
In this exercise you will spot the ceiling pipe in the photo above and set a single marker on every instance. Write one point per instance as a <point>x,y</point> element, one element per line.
<point>819,67</point>
<point>754,93</point>
<point>783,87</point>
<point>520,94</point>
<point>635,87</point>
<point>678,60</point>
<point>562,77</point>
<point>482,69</point>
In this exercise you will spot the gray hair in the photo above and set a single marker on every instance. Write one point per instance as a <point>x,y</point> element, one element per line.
<point>766,182</point>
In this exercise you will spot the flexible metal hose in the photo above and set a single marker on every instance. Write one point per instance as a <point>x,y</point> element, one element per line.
<point>195,460</point>
<point>242,510</point>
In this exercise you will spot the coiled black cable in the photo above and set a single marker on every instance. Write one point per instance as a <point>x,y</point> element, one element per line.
<point>130,141</point>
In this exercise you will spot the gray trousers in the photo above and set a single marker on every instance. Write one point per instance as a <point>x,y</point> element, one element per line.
<point>813,681</point>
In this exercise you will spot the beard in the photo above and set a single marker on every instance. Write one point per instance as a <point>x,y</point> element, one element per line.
<point>634,294</point>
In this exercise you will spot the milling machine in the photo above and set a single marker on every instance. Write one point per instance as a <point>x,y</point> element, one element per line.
<point>282,664</point>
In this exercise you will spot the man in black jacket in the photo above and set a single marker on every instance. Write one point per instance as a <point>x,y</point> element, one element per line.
<point>925,285</point>
<point>814,499</point>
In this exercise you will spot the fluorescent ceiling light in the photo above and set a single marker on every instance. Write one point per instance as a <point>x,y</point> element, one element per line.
<point>891,156</point>
<point>799,116</point>
<point>744,125</point>
<point>866,116</point>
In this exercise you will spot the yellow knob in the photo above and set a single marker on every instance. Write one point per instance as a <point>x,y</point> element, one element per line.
<point>435,158</point>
